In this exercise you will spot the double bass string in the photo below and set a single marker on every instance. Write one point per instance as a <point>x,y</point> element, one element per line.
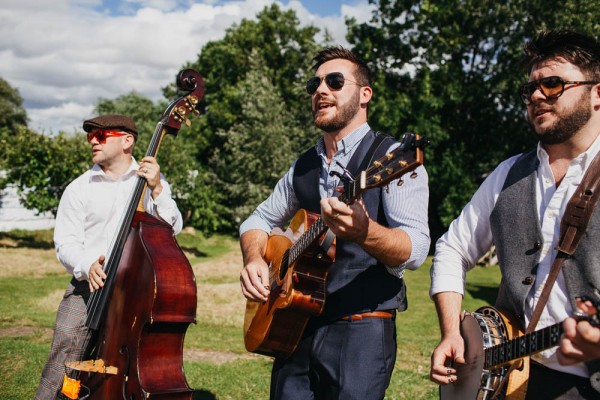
<point>99,298</point>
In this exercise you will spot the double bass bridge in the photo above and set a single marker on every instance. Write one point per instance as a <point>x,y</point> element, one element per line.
<point>96,366</point>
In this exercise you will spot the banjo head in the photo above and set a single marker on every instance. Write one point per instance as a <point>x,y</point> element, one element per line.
<point>479,331</point>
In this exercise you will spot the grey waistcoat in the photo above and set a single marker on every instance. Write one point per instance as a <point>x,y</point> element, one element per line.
<point>517,234</point>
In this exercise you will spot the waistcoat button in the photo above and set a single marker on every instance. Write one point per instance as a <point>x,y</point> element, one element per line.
<point>528,280</point>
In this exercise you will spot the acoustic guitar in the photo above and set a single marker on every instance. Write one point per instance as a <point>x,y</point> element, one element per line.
<point>299,259</point>
<point>493,342</point>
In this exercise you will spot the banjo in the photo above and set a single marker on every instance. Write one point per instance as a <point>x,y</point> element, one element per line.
<point>493,342</point>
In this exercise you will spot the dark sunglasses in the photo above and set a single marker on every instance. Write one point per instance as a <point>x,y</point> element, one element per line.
<point>334,80</point>
<point>101,135</point>
<point>552,87</point>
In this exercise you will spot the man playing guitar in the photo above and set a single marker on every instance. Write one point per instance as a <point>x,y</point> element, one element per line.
<point>348,352</point>
<point>519,208</point>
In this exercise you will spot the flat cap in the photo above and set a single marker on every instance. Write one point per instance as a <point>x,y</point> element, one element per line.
<point>111,121</point>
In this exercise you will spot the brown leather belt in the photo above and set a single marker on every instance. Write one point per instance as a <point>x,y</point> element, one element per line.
<point>386,314</point>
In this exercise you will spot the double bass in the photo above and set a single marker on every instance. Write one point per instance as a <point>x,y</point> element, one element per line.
<point>141,314</point>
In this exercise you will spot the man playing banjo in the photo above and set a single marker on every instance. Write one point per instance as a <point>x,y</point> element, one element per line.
<point>519,208</point>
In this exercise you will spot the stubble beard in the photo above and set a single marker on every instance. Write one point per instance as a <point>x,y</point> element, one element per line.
<point>567,125</point>
<point>342,117</point>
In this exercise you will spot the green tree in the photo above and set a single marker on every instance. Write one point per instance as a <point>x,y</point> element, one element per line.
<point>257,150</point>
<point>12,112</point>
<point>38,165</point>
<point>286,48</point>
<point>450,71</point>
<point>12,116</point>
<point>41,166</point>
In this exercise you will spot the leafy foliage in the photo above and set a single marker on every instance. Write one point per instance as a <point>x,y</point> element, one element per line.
<point>450,71</point>
<point>12,113</point>
<point>255,113</point>
<point>447,70</point>
<point>258,149</point>
<point>12,116</point>
<point>41,166</point>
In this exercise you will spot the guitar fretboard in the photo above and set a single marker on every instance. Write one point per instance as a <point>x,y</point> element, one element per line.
<point>522,346</point>
<point>319,227</point>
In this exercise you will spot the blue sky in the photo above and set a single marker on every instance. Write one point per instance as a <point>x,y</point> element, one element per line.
<point>317,7</point>
<point>68,54</point>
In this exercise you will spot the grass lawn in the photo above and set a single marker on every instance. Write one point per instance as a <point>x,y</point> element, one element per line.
<point>217,366</point>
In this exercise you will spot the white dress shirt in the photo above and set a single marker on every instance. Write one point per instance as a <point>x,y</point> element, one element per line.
<point>470,236</point>
<point>90,213</point>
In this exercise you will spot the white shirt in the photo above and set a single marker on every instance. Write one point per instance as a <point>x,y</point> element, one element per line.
<point>90,213</point>
<point>470,236</point>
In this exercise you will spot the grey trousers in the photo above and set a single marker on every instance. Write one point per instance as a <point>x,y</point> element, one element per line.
<point>71,341</point>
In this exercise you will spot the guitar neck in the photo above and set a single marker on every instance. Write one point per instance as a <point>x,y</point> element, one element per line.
<point>523,346</point>
<point>319,227</point>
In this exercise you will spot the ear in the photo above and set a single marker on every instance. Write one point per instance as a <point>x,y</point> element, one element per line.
<point>366,92</point>
<point>596,97</point>
<point>128,143</point>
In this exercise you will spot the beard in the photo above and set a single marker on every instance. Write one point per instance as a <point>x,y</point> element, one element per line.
<point>345,113</point>
<point>567,125</point>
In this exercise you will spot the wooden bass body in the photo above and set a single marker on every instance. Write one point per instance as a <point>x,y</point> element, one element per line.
<point>152,304</point>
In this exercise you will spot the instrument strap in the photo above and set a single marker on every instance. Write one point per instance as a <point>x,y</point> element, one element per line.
<point>572,227</point>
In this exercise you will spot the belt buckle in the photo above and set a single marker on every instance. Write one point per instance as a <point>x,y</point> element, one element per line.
<point>355,317</point>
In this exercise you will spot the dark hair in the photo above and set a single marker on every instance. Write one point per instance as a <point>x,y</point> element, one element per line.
<point>578,49</point>
<point>363,74</point>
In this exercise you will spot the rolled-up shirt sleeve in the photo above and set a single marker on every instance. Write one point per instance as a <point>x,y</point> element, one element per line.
<point>405,208</point>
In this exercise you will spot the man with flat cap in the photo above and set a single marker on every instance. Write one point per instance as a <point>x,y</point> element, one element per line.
<point>88,216</point>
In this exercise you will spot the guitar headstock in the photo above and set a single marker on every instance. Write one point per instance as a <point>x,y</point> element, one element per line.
<point>405,158</point>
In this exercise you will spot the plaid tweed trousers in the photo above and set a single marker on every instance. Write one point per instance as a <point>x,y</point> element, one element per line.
<point>71,342</point>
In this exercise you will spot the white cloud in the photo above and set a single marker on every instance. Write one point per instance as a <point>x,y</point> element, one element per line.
<point>63,55</point>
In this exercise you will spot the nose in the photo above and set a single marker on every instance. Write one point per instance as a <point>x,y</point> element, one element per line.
<point>537,93</point>
<point>322,86</point>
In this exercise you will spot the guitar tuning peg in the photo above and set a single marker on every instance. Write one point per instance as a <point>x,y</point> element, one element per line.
<point>400,182</point>
<point>188,122</point>
<point>414,175</point>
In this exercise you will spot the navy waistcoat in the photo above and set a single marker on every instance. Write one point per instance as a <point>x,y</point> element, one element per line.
<point>356,282</point>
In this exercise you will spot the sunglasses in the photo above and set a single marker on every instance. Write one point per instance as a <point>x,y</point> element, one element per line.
<point>101,135</point>
<point>334,81</point>
<point>552,87</point>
